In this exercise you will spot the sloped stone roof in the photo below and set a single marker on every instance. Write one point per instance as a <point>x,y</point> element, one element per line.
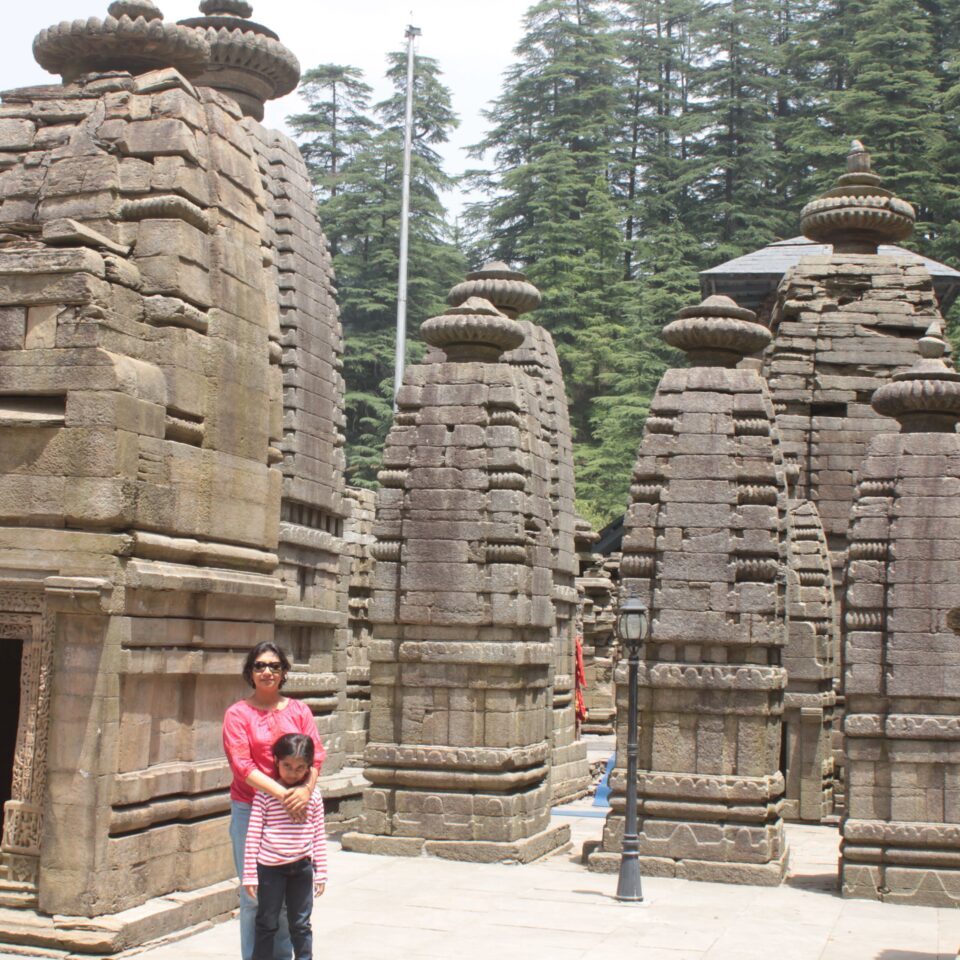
<point>750,279</point>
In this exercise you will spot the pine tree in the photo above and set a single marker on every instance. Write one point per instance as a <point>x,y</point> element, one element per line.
<point>653,187</point>
<point>656,170</point>
<point>893,102</point>
<point>809,51</point>
<point>736,91</point>
<point>361,213</point>
<point>336,124</point>
<point>552,209</point>
<point>945,22</point>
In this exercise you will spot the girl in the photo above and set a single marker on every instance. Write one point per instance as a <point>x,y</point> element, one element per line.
<point>250,727</point>
<point>285,861</point>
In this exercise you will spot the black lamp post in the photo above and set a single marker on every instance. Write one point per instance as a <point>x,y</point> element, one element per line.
<point>632,623</point>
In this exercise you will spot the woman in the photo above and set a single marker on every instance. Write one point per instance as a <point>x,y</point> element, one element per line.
<point>250,728</point>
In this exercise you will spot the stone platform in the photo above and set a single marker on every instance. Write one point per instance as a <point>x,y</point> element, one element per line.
<point>427,909</point>
<point>554,839</point>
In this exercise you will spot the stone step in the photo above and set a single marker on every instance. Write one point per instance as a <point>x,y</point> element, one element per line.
<point>17,899</point>
<point>16,894</point>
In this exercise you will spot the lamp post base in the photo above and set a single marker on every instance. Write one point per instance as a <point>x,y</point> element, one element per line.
<point>628,884</point>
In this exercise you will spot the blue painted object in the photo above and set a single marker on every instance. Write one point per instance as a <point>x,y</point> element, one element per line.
<point>602,796</point>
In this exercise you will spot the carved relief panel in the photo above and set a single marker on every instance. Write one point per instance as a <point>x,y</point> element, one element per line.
<point>23,619</point>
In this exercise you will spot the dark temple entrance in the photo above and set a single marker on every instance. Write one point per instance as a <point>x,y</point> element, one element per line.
<point>11,656</point>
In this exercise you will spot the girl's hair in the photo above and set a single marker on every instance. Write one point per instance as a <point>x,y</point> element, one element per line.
<point>265,646</point>
<point>296,745</point>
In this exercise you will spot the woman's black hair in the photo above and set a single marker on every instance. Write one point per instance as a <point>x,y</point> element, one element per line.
<point>265,646</point>
<point>296,745</point>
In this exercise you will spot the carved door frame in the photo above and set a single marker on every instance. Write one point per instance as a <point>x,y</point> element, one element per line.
<point>24,616</point>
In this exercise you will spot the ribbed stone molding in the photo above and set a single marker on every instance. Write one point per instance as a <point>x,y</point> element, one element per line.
<point>135,8</point>
<point>475,330</point>
<point>508,290</point>
<point>716,333</point>
<point>925,398</point>
<point>133,37</point>
<point>858,214</point>
<point>247,61</point>
<point>228,8</point>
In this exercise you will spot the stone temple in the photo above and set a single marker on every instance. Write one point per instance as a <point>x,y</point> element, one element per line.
<point>780,528</point>
<point>171,483</point>
<point>172,492</point>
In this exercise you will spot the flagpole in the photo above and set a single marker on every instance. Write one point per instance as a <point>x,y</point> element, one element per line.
<point>401,350</point>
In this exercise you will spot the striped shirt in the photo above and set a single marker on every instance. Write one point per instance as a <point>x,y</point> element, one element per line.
<point>273,838</point>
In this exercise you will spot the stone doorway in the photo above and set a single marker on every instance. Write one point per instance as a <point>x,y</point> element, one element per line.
<point>11,660</point>
<point>26,655</point>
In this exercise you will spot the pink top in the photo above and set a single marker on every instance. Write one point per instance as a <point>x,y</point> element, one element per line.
<point>249,733</point>
<point>273,838</point>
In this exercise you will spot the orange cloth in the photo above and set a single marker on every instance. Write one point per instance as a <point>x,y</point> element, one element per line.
<point>580,683</point>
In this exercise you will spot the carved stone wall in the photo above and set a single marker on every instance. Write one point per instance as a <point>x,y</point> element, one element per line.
<point>842,324</point>
<point>705,548</point>
<point>135,413</point>
<point>598,624</point>
<point>513,295</point>
<point>358,540</point>
<point>901,834</point>
<point>161,277</point>
<point>307,345</point>
<point>811,658</point>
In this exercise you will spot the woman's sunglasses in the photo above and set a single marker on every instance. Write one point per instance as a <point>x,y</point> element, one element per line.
<point>261,665</point>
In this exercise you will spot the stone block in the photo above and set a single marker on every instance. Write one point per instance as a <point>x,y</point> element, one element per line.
<point>16,134</point>
<point>161,137</point>
<point>12,327</point>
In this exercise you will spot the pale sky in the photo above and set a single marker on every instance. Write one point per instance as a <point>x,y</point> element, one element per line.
<point>471,41</point>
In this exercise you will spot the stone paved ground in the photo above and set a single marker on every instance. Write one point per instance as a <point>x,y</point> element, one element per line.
<point>385,908</point>
<point>379,907</point>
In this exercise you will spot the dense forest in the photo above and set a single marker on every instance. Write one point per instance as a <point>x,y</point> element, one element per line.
<point>632,144</point>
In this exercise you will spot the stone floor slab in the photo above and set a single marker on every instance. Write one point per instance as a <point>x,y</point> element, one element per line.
<point>382,908</point>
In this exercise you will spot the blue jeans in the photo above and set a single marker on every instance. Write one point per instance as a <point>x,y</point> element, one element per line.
<point>290,885</point>
<point>282,947</point>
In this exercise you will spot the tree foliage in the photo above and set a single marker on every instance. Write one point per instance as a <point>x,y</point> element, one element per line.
<point>633,143</point>
<point>355,155</point>
<point>636,142</point>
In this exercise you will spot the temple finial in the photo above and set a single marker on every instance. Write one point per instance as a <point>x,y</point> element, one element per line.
<point>247,60</point>
<point>133,36</point>
<point>859,213</point>
<point>473,331</point>
<point>508,290</point>
<point>925,398</point>
<point>858,159</point>
<point>716,333</point>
